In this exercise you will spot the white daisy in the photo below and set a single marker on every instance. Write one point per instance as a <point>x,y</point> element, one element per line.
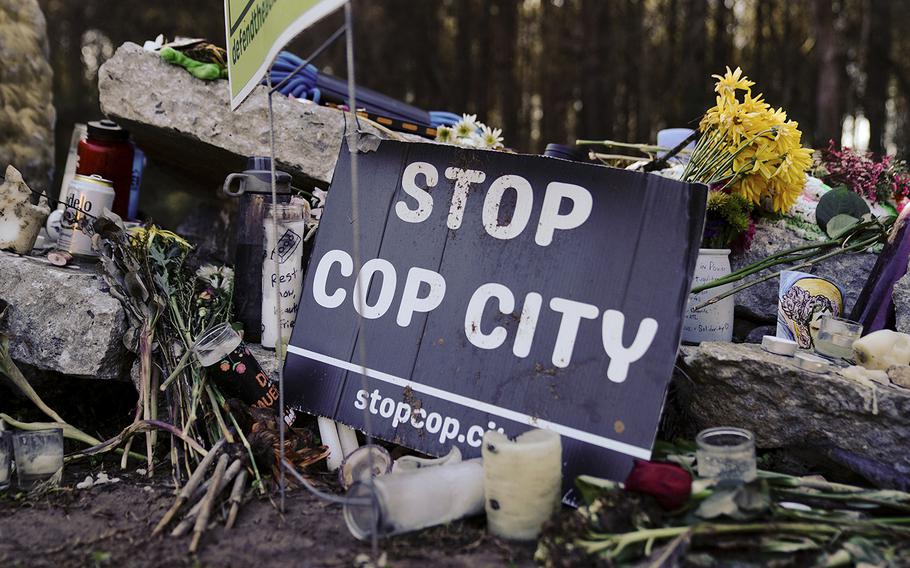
<point>218,276</point>
<point>444,134</point>
<point>491,137</point>
<point>464,129</point>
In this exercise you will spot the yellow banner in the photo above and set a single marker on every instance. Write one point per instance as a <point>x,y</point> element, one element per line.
<point>257,30</point>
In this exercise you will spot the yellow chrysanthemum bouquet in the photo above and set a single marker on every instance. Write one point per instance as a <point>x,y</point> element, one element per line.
<point>749,148</point>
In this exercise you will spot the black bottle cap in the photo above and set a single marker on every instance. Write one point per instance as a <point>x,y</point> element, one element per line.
<point>106,129</point>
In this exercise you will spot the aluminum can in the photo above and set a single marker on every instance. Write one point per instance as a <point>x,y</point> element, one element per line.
<point>86,198</point>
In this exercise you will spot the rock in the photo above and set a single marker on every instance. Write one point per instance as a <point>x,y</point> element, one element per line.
<point>901,297</point>
<point>863,427</point>
<point>62,319</point>
<point>182,121</point>
<point>26,92</point>
<point>758,333</point>
<point>20,219</point>
<point>900,375</point>
<point>759,303</point>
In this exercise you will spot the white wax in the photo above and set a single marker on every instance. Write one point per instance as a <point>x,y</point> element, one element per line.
<point>41,465</point>
<point>431,496</point>
<point>522,482</point>
<point>289,278</point>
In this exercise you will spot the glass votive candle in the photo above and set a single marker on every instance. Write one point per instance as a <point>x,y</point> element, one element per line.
<point>726,453</point>
<point>6,458</point>
<point>39,456</point>
<point>836,336</point>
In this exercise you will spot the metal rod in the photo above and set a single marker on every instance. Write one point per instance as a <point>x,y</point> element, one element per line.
<point>355,213</point>
<point>325,45</point>
<point>273,227</point>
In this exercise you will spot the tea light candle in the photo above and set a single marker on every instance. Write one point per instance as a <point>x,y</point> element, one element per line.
<point>522,481</point>
<point>779,345</point>
<point>811,363</point>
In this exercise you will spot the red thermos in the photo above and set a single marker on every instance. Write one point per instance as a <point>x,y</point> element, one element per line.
<point>107,152</point>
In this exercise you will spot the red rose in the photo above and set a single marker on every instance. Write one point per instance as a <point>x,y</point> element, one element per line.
<point>669,483</point>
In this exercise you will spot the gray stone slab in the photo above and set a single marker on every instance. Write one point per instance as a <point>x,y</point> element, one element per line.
<point>742,385</point>
<point>62,319</point>
<point>187,123</point>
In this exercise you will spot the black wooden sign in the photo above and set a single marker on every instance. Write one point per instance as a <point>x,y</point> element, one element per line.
<point>497,291</point>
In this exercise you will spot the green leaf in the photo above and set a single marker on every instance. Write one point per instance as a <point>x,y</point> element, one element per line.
<point>787,544</point>
<point>840,224</point>
<point>837,202</point>
<point>591,487</point>
<point>742,502</point>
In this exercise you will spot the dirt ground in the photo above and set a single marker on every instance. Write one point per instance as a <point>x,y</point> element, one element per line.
<point>110,525</point>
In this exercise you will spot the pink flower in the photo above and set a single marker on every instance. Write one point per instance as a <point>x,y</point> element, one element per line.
<point>240,368</point>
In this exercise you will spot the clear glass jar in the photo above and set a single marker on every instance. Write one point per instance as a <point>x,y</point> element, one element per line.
<point>726,453</point>
<point>39,456</point>
<point>836,336</point>
<point>6,458</point>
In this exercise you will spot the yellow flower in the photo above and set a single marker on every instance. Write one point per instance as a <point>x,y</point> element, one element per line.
<point>147,235</point>
<point>769,163</point>
<point>732,81</point>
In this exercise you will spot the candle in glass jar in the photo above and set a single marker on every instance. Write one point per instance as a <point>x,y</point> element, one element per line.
<point>726,453</point>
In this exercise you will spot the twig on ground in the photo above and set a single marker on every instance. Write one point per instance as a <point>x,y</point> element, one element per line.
<point>236,498</point>
<point>187,491</point>
<point>207,502</point>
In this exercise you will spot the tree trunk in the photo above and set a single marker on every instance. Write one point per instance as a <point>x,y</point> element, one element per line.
<point>829,98</point>
<point>878,71</point>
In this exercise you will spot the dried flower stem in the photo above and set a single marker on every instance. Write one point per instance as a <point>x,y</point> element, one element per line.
<point>236,499</point>
<point>187,491</point>
<point>205,512</point>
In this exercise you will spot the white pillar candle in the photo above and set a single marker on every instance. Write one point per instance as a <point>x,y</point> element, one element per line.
<point>522,482</point>
<point>348,438</point>
<point>329,434</point>
<point>286,246</point>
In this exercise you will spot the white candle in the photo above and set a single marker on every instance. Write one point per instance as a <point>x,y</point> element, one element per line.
<point>418,499</point>
<point>287,248</point>
<point>348,438</point>
<point>522,482</point>
<point>20,220</point>
<point>329,434</point>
